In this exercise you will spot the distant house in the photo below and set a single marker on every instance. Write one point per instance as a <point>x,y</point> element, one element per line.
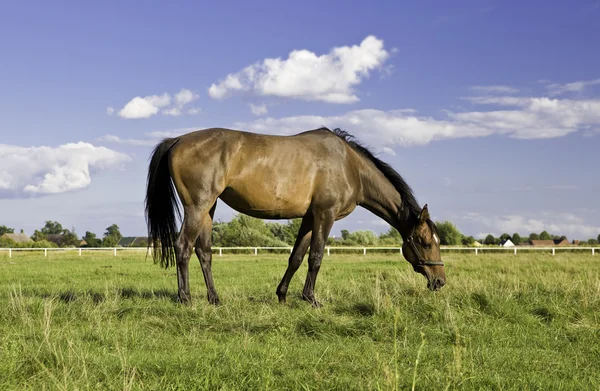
<point>576,242</point>
<point>542,243</point>
<point>17,238</point>
<point>57,239</point>
<point>133,241</point>
<point>561,242</point>
<point>507,243</point>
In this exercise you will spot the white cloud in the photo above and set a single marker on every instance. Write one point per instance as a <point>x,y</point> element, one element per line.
<point>376,127</point>
<point>150,105</point>
<point>184,97</point>
<point>150,138</point>
<point>305,75</point>
<point>577,86</point>
<point>568,224</point>
<point>495,89</point>
<point>46,170</point>
<point>194,111</point>
<point>146,107</point>
<point>109,138</point>
<point>533,117</point>
<point>258,109</point>
<point>174,112</point>
<point>110,111</point>
<point>389,151</point>
<point>522,118</point>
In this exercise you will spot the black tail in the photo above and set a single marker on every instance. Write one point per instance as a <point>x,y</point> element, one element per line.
<point>161,205</point>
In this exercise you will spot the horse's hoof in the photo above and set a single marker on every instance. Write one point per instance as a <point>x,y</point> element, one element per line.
<point>185,300</point>
<point>312,301</point>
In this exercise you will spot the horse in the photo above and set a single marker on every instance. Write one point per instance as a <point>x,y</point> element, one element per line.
<point>318,175</point>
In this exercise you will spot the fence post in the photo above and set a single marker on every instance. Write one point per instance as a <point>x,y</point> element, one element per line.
<point>365,251</point>
<point>400,250</point>
<point>593,251</point>
<point>515,251</point>
<point>115,251</point>
<point>80,252</point>
<point>552,251</point>
<point>10,252</point>
<point>328,253</point>
<point>475,251</point>
<point>45,252</point>
<point>220,252</point>
<point>255,250</point>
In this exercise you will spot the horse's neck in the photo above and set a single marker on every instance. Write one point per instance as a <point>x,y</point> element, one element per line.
<point>381,198</point>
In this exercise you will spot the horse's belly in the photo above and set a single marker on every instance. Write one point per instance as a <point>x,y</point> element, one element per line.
<point>267,202</point>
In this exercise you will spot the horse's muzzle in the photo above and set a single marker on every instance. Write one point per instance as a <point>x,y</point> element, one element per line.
<point>436,284</point>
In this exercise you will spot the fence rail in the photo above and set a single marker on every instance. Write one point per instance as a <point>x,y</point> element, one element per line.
<point>329,249</point>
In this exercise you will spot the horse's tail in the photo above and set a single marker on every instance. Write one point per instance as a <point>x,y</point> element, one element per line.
<point>161,205</point>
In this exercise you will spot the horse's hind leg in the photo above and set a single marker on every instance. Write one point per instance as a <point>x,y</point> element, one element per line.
<point>321,227</point>
<point>298,252</point>
<point>183,252</point>
<point>204,253</point>
<point>193,222</point>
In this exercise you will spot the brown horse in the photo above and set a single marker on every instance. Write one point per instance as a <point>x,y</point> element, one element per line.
<point>318,175</point>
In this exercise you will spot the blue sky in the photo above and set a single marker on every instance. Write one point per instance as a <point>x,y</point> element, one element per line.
<point>490,110</point>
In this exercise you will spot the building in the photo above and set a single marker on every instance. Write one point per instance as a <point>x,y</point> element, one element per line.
<point>542,243</point>
<point>561,242</point>
<point>507,243</point>
<point>57,239</point>
<point>17,238</point>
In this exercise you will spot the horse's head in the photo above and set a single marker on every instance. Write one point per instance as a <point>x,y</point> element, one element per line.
<point>422,249</point>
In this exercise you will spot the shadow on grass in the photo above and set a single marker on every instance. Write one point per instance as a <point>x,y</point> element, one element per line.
<point>70,295</point>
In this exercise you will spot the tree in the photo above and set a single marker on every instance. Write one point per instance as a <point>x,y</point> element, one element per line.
<point>38,236</point>
<point>449,234</point>
<point>112,235</point>
<point>244,230</point>
<point>534,236</point>
<point>598,238</point>
<point>391,237</point>
<point>516,238</point>
<point>345,234</point>
<point>468,241</point>
<point>91,239</point>
<point>545,236</point>
<point>489,239</point>
<point>70,238</point>
<point>52,228</point>
<point>504,236</point>
<point>5,230</point>
<point>593,241</point>
<point>362,238</point>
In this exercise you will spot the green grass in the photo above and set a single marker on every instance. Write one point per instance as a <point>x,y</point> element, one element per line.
<point>530,322</point>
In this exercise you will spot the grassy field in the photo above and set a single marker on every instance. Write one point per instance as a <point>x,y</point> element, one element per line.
<point>530,322</point>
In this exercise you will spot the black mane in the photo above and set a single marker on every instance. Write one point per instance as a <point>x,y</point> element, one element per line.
<point>409,202</point>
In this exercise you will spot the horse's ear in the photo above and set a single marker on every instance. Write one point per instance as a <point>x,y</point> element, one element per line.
<point>424,215</point>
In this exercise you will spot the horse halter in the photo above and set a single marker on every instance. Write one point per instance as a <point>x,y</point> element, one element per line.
<point>422,261</point>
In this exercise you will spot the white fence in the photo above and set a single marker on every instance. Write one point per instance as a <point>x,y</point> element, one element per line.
<point>329,249</point>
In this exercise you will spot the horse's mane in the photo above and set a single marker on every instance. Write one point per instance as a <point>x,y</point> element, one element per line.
<point>409,202</point>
